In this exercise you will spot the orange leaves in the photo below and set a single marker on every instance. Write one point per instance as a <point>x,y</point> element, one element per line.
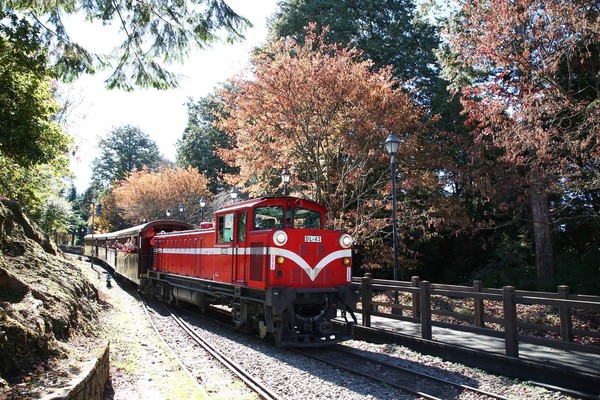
<point>318,109</point>
<point>147,195</point>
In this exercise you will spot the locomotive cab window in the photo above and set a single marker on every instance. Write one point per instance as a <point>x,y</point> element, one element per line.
<point>305,218</point>
<point>268,217</point>
<point>225,228</point>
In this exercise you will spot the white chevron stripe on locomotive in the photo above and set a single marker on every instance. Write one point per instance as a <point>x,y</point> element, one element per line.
<point>275,251</point>
<point>312,272</point>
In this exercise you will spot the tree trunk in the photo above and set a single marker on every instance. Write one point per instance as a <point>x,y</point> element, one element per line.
<point>541,230</point>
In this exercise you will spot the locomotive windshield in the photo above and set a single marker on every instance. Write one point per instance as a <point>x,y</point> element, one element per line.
<point>305,218</point>
<point>295,217</point>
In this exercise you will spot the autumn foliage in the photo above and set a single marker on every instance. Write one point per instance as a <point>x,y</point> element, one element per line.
<point>538,100</point>
<point>533,101</point>
<point>320,110</point>
<point>146,195</point>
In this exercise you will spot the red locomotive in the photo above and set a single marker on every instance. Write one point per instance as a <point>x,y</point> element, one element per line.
<point>271,260</point>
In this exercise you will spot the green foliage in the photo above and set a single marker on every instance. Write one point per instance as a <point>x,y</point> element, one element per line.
<point>388,33</point>
<point>29,134</point>
<point>200,140</point>
<point>152,33</point>
<point>579,271</point>
<point>32,186</point>
<point>57,217</point>
<point>512,262</point>
<point>125,149</point>
<point>33,148</point>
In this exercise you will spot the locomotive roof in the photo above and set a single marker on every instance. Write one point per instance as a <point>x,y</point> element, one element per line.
<point>270,200</point>
<point>134,230</point>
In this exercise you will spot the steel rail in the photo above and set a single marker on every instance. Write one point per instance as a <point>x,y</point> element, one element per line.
<point>379,377</point>
<point>253,383</point>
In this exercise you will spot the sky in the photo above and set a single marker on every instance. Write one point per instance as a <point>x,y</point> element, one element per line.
<point>160,114</point>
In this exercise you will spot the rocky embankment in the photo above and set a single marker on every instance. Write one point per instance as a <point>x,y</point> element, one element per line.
<point>46,308</point>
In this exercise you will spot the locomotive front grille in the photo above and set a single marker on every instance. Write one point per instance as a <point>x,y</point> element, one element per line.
<point>300,278</point>
<point>310,252</point>
<point>304,251</point>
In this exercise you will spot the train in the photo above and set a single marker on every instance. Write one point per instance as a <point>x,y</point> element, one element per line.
<point>271,260</point>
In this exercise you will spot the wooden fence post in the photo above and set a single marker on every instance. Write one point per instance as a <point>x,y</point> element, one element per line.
<point>416,304</point>
<point>367,296</point>
<point>564,312</point>
<point>510,322</point>
<point>478,306</point>
<point>425,310</point>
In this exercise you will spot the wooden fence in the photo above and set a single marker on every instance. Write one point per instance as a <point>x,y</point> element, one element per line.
<point>502,313</point>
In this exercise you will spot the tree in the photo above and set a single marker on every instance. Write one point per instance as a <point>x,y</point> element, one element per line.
<point>387,31</point>
<point>146,195</point>
<point>534,98</point>
<point>152,33</point>
<point>110,218</point>
<point>318,109</point>
<point>124,150</point>
<point>395,33</point>
<point>57,218</point>
<point>321,111</point>
<point>33,147</point>
<point>200,141</point>
<point>29,134</point>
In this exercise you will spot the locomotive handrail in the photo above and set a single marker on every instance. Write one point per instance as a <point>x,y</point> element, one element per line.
<point>485,311</point>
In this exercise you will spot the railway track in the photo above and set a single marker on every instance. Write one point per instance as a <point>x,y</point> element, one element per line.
<point>247,378</point>
<point>294,374</point>
<point>416,383</point>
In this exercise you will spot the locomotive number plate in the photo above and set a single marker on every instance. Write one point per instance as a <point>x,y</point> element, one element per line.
<point>312,239</point>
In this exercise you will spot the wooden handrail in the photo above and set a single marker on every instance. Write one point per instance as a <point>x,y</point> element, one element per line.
<point>420,298</point>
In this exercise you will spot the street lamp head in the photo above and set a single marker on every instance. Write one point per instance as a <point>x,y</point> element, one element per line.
<point>202,202</point>
<point>233,193</point>
<point>286,176</point>
<point>391,144</point>
<point>181,208</point>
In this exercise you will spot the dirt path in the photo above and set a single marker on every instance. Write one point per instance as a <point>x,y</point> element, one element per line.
<point>141,365</point>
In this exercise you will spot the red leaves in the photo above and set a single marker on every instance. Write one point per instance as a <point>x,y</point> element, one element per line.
<point>530,102</point>
<point>311,106</point>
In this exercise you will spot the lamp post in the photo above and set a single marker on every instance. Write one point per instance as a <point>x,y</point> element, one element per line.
<point>93,252</point>
<point>391,145</point>
<point>181,208</point>
<point>168,213</point>
<point>234,194</point>
<point>202,202</point>
<point>286,176</point>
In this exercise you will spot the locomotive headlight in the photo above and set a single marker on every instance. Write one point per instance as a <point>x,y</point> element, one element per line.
<point>280,238</point>
<point>280,260</point>
<point>346,261</point>
<point>345,240</point>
